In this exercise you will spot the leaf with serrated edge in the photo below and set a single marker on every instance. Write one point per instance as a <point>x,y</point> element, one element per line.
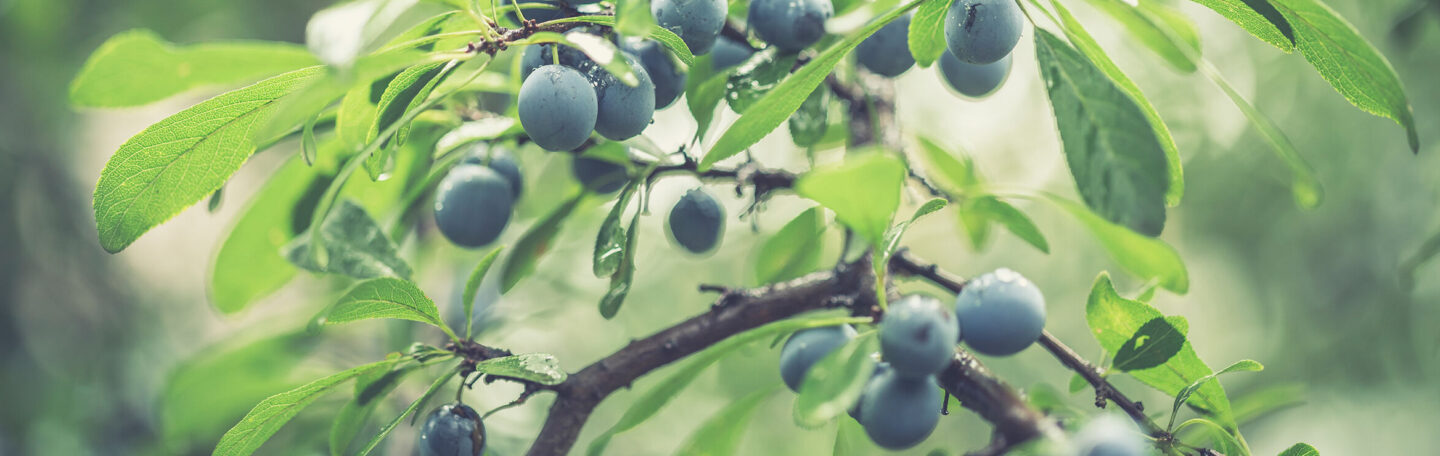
<point>271,414</point>
<point>385,297</point>
<point>926,36</point>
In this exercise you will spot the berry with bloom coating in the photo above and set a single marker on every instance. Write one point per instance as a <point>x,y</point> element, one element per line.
<point>1000,313</point>
<point>452,430</point>
<point>983,31</point>
<point>790,25</point>
<point>887,52</point>
<point>697,222</point>
<point>557,107</point>
<point>472,205</point>
<point>806,347</point>
<point>917,336</point>
<point>971,80</point>
<point>899,412</point>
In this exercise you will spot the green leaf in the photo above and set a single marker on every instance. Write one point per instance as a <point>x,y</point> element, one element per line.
<point>604,53</point>
<point>649,403</point>
<point>1244,365</point>
<point>756,77</point>
<point>704,88</point>
<point>620,282</point>
<point>535,242</point>
<point>210,391</point>
<point>661,34</point>
<point>1350,63</point>
<point>794,250</point>
<point>1221,438</point>
<point>926,36</point>
<point>834,383</point>
<point>1113,319</point>
<point>1118,162</point>
<point>354,245</point>
<point>405,92</point>
<point>1152,345</point>
<point>1267,399</point>
<point>808,124</point>
<point>1304,185</point>
<point>385,431</point>
<point>864,192</point>
<point>893,235</point>
<point>535,367</point>
<point>720,435</point>
<point>850,440</point>
<point>138,67</point>
<point>1145,257</point>
<point>1259,17</point>
<point>182,159</point>
<point>369,392</point>
<point>1300,449</point>
<point>271,414</point>
<point>785,98</point>
<point>632,17</point>
<point>249,265</point>
<point>317,95</point>
<point>1078,383</point>
<point>956,176</point>
<point>1087,45</point>
<point>339,34</point>
<point>479,130</point>
<point>611,240</point>
<point>987,208</point>
<point>1150,34</point>
<point>472,286</point>
<point>386,297</point>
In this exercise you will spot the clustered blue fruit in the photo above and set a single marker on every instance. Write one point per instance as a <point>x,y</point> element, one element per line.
<point>500,160</point>
<point>697,22</point>
<point>973,80</point>
<point>452,430</point>
<point>982,31</point>
<point>599,176</point>
<point>697,222</point>
<point>557,107</point>
<point>789,25</point>
<point>664,72</point>
<point>918,335</point>
<point>899,412</point>
<point>621,111</point>
<point>1000,313</point>
<point>806,347</point>
<point>473,204</point>
<point>728,53</point>
<point>887,52</point>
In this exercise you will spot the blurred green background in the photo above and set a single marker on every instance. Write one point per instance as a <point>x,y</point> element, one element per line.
<point>89,341</point>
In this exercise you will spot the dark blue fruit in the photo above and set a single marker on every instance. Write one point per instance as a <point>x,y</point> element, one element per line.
<point>599,176</point>
<point>697,22</point>
<point>887,52</point>
<point>728,53</point>
<point>807,347</point>
<point>557,107</point>
<point>880,369</point>
<point>899,412</point>
<point>540,55</point>
<point>790,25</point>
<point>983,31</point>
<point>664,73</point>
<point>697,222</point>
<point>452,430</point>
<point>625,111</point>
<point>501,161</point>
<point>917,336</point>
<point>472,205</point>
<point>971,80</point>
<point>1000,313</point>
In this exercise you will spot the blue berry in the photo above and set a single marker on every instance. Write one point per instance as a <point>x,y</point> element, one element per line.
<point>983,31</point>
<point>887,52</point>
<point>917,336</point>
<point>472,205</point>
<point>971,80</point>
<point>790,25</point>
<point>697,22</point>
<point>599,176</point>
<point>557,107</point>
<point>452,430</point>
<point>1000,313</point>
<point>806,347</point>
<point>697,222</point>
<point>899,412</point>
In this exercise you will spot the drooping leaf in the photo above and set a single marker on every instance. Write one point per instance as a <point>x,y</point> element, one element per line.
<point>472,286</point>
<point>271,414</point>
<point>611,241</point>
<point>625,271</point>
<point>1304,185</point>
<point>354,245</point>
<point>318,94</point>
<point>1149,33</point>
<point>535,367</point>
<point>808,124</point>
<point>720,435</point>
<point>767,113</point>
<point>405,92</point>
<point>138,67</point>
<point>1145,257</point>
<point>1259,17</point>
<point>987,208</point>
<point>864,192</point>
<point>1113,319</point>
<point>954,175</point>
<point>833,384</point>
<point>704,88</point>
<point>208,392</point>
<point>1244,365</point>
<point>756,77</point>
<point>182,159</point>
<point>535,242</point>
<point>1087,45</point>
<point>386,297</point>
<point>1300,449</point>
<point>926,36</point>
<point>652,400</point>
<point>1152,345</point>
<point>794,250</point>
<point>1350,63</point>
<point>1118,162</point>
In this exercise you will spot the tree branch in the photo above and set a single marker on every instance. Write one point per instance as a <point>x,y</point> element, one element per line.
<point>903,262</point>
